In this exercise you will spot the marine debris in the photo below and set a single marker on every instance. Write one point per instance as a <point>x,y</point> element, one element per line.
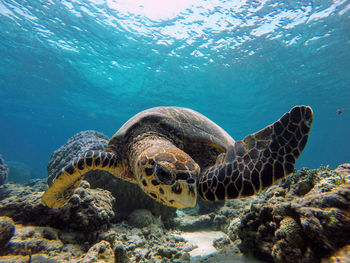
<point>340,111</point>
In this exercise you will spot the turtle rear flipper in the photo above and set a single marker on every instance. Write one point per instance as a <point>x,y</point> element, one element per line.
<point>63,186</point>
<point>260,159</point>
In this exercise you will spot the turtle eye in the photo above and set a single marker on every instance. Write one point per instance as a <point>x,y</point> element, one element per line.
<point>163,175</point>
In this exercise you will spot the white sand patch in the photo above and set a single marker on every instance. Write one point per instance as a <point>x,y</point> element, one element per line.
<point>203,240</point>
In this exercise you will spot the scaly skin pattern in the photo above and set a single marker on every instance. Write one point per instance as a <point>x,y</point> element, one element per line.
<point>164,172</point>
<point>159,150</point>
<point>71,175</point>
<point>260,159</point>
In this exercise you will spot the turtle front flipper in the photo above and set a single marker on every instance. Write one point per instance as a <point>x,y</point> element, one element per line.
<point>63,186</point>
<point>260,159</point>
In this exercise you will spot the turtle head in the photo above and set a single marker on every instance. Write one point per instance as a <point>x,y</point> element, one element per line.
<point>168,175</point>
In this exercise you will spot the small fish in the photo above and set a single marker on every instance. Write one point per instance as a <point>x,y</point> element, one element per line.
<point>340,111</point>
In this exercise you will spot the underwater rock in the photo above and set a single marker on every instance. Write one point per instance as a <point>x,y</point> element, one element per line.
<point>305,218</point>
<point>100,252</point>
<point>218,220</point>
<point>119,243</point>
<point>88,209</point>
<point>39,244</point>
<point>234,208</point>
<point>232,229</point>
<point>193,223</point>
<point>221,242</point>
<point>36,258</point>
<point>151,243</point>
<point>129,197</point>
<point>342,255</point>
<point>30,239</point>
<point>11,189</point>
<point>7,229</point>
<point>77,145</point>
<point>166,252</point>
<point>204,207</point>
<point>4,170</point>
<point>142,218</point>
<point>121,255</point>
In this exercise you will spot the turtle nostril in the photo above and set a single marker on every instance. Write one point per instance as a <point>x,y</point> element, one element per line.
<point>182,176</point>
<point>190,181</point>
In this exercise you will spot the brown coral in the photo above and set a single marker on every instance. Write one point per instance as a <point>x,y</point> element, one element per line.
<point>299,228</point>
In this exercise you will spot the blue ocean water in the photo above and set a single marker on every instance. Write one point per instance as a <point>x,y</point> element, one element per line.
<point>68,66</point>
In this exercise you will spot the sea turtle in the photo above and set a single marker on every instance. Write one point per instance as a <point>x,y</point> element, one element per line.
<point>175,153</point>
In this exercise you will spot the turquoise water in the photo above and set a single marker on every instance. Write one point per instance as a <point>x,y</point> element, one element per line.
<point>68,66</point>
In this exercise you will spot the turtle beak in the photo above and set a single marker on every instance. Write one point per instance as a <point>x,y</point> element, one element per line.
<point>183,194</point>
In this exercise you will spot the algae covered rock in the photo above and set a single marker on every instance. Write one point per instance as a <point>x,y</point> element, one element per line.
<point>19,190</point>
<point>39,244</point>
<point>342,255</point>
<point>7,229</point>
<point>100,252</point>
<point>4,170</point>
<point>87,209</point>
<point>193,223</point>
<point>299,220</point>
<point>129,197</point>
<point>232,229</point>
<point>142,218</point>
<point>77,145</point>
<point>32,239</point>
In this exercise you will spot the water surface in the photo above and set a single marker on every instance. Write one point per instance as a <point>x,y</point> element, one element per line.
<point>68,66</point>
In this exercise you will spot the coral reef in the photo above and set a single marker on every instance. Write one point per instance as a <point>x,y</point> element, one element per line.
<point>119,243</point>
<point>142,218</point>
<point>19,190</point>
<point>303,219</point>
<point>77,145</point>
<point>87,209</point>
<point>100,252</point>
<point>4,170</point>
<point>85,230</point>
<point>191,223</point>
<point>38,244</point>
<point>342,255</point>
<point>129,197</point>
<point>7,229</point>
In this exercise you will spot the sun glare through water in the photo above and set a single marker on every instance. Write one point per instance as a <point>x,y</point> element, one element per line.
<point>152,9</point>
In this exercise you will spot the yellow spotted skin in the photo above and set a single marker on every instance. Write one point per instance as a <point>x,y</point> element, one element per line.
<point>168,175</point>
<point>175,153</point>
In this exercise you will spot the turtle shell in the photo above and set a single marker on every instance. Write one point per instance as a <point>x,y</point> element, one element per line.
<point>189,130</point>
